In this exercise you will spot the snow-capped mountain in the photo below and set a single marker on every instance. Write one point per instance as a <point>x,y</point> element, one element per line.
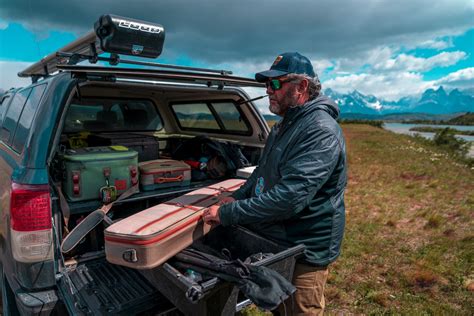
<point>431,101</point>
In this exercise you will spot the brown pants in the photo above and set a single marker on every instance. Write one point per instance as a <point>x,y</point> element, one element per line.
<point>308,299</point>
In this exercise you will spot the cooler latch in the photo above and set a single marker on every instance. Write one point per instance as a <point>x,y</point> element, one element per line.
<point>130,255</point>
<point>108,193</point>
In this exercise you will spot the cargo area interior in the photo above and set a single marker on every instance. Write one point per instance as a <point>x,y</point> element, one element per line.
<point>158,122</point>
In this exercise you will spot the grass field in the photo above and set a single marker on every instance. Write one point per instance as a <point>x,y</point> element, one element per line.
<point>409,238</point>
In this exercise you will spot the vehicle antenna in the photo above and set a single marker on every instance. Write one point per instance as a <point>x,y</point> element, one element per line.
<point>254,99</point>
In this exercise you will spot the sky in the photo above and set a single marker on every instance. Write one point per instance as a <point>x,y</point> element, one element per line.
<point>390,49</point>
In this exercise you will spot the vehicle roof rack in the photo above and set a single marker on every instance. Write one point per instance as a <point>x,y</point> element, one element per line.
<point>116,35</point>
<point>206,78</point>
<point>47,65</point>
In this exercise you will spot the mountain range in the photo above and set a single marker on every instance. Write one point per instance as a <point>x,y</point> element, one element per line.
<point>430,102</point>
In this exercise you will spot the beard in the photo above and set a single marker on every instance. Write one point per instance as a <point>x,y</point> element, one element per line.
<point>280,105</point>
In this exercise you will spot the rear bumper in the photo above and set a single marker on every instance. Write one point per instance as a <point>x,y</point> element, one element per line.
<point>36,303</point>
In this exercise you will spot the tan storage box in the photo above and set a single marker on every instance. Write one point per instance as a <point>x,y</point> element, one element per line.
<point>149,238</point>
<point>164,173</point>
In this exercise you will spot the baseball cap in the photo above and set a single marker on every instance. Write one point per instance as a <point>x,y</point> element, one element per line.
<point>287,63</point>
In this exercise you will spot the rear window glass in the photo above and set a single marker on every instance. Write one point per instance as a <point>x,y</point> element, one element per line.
<point>213,116</point>
<point>13,114</point>
<point>230,116</point>
<point>26,118</point>
<point>112,115</point>
<point>195,115</point>
<point>3,107</point>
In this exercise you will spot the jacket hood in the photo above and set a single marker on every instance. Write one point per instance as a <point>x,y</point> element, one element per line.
<point>321,103</point>
<point>324,103</point>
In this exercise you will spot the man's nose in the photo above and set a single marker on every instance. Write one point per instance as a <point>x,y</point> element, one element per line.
<point>269,90</point>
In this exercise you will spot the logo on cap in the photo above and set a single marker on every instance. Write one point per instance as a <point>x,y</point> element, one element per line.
<point>277,60</point>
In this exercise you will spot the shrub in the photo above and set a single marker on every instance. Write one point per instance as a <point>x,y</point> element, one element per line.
<point>446,139</point>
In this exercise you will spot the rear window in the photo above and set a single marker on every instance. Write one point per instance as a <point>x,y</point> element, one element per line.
<point>26,118</point>
<point>211,116</point>
<point>13,114</point>
<point>195,115</point>
<point>96,115</point>
<point>3,107</point>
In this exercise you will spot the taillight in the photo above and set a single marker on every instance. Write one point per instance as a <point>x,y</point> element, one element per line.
<point>31,223</point>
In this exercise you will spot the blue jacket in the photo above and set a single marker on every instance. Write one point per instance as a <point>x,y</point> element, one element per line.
<point>296,194</point>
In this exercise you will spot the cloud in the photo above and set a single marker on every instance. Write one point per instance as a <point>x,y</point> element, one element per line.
<point>9,78</point>
<point>394,85</point>
<point>436,44</point>
<point>246,68</point>
<point>3,24</point>
<point>373,56</point>
<point>463,78</point>
<point>390,86</point>
<point>412,63</point>
<point>225,31</point>
<point>321,65</point>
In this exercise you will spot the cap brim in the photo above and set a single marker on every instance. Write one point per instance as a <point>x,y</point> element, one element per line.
<point>264,75</point>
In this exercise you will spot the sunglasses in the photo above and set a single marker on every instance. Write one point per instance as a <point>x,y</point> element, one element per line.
<point>276,84</point>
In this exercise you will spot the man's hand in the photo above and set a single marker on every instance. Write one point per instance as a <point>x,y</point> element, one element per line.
<point>211,215</point>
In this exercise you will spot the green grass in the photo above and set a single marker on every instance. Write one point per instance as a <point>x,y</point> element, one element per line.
<point>409,238</point>
<point>409,242</point>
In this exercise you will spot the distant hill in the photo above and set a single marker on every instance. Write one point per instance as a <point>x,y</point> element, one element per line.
<point>400,116</point>
<point>466,119</point>
<point>195,116</point>
<point>270,117</point>
<point>387,117</point>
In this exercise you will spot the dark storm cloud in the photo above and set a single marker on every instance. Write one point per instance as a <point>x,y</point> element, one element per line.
<point>226,31</point>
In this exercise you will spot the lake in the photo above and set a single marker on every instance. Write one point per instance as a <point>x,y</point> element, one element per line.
<point>402,128</point>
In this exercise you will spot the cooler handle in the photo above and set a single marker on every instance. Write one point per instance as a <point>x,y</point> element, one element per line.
<point>164,180</point>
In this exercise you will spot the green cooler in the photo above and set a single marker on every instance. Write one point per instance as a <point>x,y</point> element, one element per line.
<point>99,173</point>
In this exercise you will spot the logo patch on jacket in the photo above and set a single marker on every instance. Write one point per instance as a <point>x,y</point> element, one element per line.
<point>259,186</point>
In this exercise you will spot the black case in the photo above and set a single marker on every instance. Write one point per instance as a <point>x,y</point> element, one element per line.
<point>127,36</point>
<point>146,146</point>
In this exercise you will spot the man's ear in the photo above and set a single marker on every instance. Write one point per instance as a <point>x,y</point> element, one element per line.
<point>303,86</point>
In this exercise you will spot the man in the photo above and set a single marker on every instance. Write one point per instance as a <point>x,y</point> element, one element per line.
<point>296,194</point>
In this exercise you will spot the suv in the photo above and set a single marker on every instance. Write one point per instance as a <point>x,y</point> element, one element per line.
<point>64,107</point>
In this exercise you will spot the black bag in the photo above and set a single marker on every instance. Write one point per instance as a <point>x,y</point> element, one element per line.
<point>202,147</point>
<point>265,287</point>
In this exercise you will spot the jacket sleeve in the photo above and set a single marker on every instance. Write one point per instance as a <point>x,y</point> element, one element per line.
<point>244,191</point>
<point>308,166</point>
